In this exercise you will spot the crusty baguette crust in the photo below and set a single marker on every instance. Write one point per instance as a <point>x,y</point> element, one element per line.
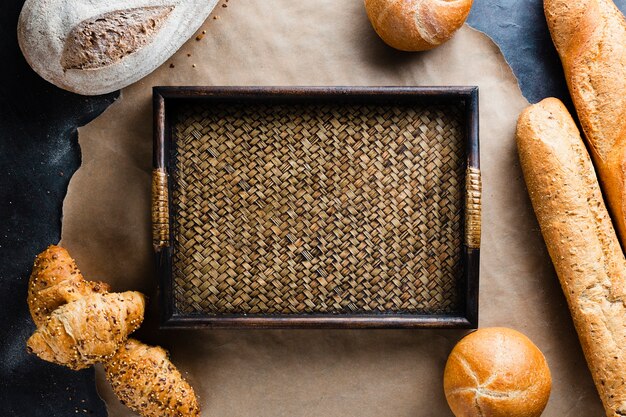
<point>590,36</point>
<point>416,25</point>
<point>54,281</point>
<point>147,382</point>
<point>88,330</point>
<point>581,241</point>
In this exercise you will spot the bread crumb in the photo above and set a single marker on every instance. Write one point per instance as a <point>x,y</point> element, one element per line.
<point>200,36</point>
<point>188,55</point>
<point>224,5</point>
<point>172,65</point>
<point>193,65</point>
<point>215,17</point>
<point>204,32</point>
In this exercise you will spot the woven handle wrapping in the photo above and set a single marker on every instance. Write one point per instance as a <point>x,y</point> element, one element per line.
<point>473,191</point>
<point>160,209</point>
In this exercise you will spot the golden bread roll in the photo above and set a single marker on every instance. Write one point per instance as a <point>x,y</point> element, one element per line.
<point>147,382</point>
<point>590,36</point>
<point>581,241</point>
<point>88,330</point>
<point>54,281</point>
<point>496,372</point>
<point>416,25</point>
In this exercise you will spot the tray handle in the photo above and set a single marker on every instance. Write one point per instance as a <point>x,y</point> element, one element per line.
<point>160,210</point>
<point>473,192</point>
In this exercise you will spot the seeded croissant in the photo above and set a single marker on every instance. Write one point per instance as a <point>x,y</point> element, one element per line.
<point>56,280</point>
<point>88,330</point>
<point>79,324</point>
<point>147,382</point>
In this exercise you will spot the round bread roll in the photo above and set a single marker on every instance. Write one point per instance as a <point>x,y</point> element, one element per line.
<point>416,25</point>
<point>497,372</point>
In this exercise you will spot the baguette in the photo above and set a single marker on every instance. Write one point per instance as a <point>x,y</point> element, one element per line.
<point>581,241</point>
<point>590,37</point>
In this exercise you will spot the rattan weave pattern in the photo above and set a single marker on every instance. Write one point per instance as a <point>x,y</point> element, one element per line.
<point>337,209</point>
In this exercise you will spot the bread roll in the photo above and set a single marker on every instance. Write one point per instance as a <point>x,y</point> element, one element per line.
<point>581,241</point>
<point>496,372</point>
<point>88,330</point>
<point>95,47</point>
<point>147,382</point>
<point>590,36</point>
<point>54,281</point>
<point>416,25</point>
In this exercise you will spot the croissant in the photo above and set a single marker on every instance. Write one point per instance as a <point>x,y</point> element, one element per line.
<point>79,324</point>
<point>147,382</point>
<point>56,280</point>
<point>87,331</point>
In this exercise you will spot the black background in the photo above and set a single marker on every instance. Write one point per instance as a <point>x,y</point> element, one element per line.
<point>39,153</point>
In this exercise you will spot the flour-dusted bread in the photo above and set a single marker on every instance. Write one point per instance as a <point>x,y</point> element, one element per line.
<point>95,47</point>
<point>147,382</point>
<point>88,330</point>
<point>56,280</point>
<point>416,25</point>
<point>581,241</point>
<point>590,36</point>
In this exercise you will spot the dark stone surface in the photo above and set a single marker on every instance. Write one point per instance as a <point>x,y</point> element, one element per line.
<point>520,30</point>
<point>39,153</point>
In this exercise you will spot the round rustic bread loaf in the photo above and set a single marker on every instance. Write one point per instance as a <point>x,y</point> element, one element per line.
<point>417,25</point>
<point>497,372</point>
<point>95,47</point>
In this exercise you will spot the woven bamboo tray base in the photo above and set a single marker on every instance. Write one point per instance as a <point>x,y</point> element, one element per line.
<point>294,209</point>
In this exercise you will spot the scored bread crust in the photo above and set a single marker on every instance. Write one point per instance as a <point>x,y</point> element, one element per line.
<point>95,47</point>
<point>56,280</point>
<point>590,37</point>
<point>580,239</point>
<point>88,330</point>
<point>147,382</point>
<point>497,372</point>
<point>416,25</point>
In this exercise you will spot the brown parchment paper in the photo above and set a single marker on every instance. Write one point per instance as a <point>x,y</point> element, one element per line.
<point>324,372</point>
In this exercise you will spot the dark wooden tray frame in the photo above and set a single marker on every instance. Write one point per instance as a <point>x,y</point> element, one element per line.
<point>165,99</point>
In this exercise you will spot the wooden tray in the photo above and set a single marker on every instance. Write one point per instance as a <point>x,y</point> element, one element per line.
<point>317,207</point>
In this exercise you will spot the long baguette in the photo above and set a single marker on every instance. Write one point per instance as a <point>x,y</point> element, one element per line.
<point>581,241</point>
<point>590,36</point>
